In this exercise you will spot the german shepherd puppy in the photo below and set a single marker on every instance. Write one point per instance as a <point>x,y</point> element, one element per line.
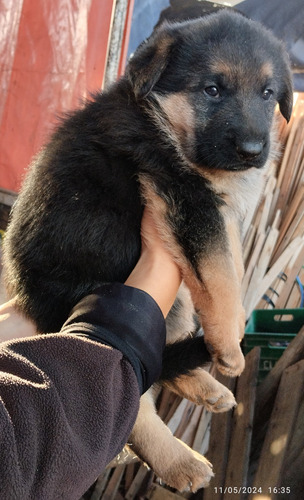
<point>188,132</point>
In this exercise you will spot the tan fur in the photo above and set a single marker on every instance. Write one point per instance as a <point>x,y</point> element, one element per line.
<point>221,314</point>
<point>177,464</point>
<point>220,67</point>
<point>239,73</point>
<point>201,388</point>
<point>266,70</point>
<point>180,114</point>
<point>239,190</point>
<point>185,325</point>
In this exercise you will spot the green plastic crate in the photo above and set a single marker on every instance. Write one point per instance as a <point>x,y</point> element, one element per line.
<point>272,330</point>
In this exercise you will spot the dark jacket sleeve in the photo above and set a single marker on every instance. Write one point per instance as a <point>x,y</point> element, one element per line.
<point>68,402</point>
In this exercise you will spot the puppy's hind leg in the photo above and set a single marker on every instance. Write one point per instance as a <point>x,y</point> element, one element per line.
<point>202,389</point>
<point>185,372</point>
<point>171,459</point>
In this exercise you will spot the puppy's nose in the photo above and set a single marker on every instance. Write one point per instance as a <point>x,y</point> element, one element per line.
<point>249,149</point>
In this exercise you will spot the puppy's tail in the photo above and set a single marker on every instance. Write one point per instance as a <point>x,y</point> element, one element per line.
<point>183,356</point>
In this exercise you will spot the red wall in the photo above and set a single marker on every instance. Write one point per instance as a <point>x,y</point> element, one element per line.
<point>51,55</point>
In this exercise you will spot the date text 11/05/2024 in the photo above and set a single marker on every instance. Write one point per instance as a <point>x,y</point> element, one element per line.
<point>237,490</point>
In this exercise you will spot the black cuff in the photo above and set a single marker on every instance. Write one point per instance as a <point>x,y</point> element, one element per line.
<point>127,319</point>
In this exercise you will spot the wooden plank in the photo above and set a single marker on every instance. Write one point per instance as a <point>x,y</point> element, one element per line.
<point>190,431</point>
<point>273,272</point>
<point>100,485</point>
<point>136,483</point>
<point>267,389</point>
<point>269,191</point>
<point>202,429</point>
<point>185,419</point>
<point>248,243</point>
<point>252,263</point>
<point>295,297</point>
<point>293,165</point>
<point>273,208</point>
<point>159,493</point>
<point>292,473</point>
<point>220,433</point>
<point>129,475</point>
<point>175,419</point>
<point>294,229</point>
<point>164,403</point>
<point>266,394</point>
<point>113,485</point>
<point>291,272</point>
<point>253,293</point>
<point>285,164</point>
<point>238,458</point>
<point>299,175</point>
<point>173,402</point>
<point>280,429</point>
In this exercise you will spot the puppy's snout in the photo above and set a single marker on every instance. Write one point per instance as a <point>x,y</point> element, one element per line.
<point>249,149</point>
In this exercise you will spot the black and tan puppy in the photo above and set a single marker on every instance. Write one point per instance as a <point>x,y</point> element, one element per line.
<point>187,131</point>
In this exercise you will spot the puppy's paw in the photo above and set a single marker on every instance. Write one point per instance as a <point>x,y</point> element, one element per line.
<point>220,401</point>
<point>230,363</point>
<point>202,389</point>
<point>190,471</point>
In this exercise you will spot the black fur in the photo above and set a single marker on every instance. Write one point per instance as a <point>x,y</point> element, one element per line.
<point>183,356</point>
<point>76,223</point>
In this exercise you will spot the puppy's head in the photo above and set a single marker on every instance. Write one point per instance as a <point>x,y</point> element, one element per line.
<point>218,80</point>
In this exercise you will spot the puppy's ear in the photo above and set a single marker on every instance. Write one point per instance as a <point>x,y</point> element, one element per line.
<point>286,94</point>
<point>149,61</point>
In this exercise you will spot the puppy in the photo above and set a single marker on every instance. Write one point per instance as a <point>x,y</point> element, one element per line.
<point>188,132</point>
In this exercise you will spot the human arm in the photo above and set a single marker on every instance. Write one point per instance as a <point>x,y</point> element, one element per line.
<point>69,400</point>
<point>68,404</point>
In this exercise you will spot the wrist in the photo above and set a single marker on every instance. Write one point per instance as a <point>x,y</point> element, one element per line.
<point>158,275</point>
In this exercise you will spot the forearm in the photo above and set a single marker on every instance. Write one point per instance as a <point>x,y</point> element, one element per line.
<point>61,421</point>
<point>158,276</point>
<point>68,403</point>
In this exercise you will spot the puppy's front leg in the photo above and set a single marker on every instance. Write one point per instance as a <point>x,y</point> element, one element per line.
<point>216,293</point>
<point>205,242</point>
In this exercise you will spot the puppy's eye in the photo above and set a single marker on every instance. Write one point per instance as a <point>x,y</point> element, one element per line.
<point>267,93</point>
<point>213,91</point>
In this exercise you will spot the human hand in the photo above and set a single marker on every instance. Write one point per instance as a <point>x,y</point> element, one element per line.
<point>13,324</point>
<point>156,272</point>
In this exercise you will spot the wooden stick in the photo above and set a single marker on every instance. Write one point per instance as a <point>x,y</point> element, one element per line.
<point>202,428</point>
<point>291,272</point>
<point>289,145</point>
<point>174,421</point>
<point>113,484</point>
<point>220,434</point>
<point>292,473</point>
<point>267,389</point>
<point>160,493</point>
<point>100,485</point>
<point>238,458</point>
<point>190,430</point>
<point>185,419</point>
<point>277,267</point>
<point>291,223</point>
<point>252,264</point>
<point>280,430</point>
<point>136,483</point>
<point>253,293</point>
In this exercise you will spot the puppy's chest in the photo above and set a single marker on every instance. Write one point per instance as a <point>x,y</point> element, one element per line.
<point>240,192</point>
